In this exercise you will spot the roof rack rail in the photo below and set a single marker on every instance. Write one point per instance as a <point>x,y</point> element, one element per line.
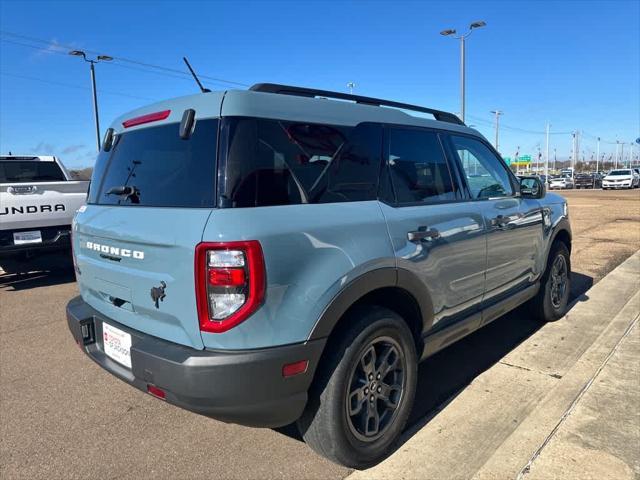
<point>312,92</point>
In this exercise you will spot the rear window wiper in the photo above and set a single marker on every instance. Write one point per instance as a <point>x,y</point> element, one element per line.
<point>126,191</point>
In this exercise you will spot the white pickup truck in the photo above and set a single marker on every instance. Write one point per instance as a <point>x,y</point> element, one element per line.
<point>38,199</point>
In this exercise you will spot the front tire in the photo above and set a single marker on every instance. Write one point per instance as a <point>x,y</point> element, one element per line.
<point>551,302</point>
<point>364,389</point>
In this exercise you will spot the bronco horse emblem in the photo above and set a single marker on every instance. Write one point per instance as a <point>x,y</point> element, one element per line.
<point>157,293</point>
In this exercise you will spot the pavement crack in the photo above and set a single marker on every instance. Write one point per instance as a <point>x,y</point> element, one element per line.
<point>516,366</point>
<point>527,468</point>
<point>520,367</point>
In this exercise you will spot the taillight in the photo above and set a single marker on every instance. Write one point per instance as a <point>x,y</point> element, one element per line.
<point>230,283</point>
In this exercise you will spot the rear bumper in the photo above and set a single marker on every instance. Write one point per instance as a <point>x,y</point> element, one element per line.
<point>53,238</point>
<point>244,387</point>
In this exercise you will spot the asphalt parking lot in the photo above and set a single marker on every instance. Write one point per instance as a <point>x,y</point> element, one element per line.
<point>61,416</point>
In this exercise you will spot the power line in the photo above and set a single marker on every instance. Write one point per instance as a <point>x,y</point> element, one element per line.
<point>68,85</point>
<point>517,129</point>
<point>35,47</point>
<point>121,59</point>
<point>594,137</point>
<point>120,65</point>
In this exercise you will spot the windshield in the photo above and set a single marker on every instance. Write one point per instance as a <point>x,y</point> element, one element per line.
<point>615,173</point>
<point>154,167</point>
<point>29,171</point>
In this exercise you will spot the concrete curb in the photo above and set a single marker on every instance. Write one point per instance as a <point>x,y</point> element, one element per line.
<point>493,429</point>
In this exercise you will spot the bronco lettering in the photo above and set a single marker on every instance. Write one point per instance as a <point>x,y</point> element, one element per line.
<point>121,252</point>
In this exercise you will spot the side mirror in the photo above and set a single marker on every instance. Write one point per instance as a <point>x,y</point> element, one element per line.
<point>532,187</point>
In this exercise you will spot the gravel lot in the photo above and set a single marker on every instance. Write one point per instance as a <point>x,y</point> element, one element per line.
<point>61,416</point>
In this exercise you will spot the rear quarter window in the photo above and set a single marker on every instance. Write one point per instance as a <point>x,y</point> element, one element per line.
<point>273,162</point>
<point>162,169</point>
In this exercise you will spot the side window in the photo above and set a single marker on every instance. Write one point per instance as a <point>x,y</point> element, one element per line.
<point>272,162</point>
<point>352,175</point>
<point>418,167</point>
<point>485,174</point>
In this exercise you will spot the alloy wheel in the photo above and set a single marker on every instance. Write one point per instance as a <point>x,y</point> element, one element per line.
<point>559,281</point>
<point>375,389</point>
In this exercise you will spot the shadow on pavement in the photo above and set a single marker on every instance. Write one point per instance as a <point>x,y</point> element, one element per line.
<point>444,375</point>
<point>42,271</point>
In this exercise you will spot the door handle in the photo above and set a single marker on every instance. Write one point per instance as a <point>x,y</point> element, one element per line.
<point>423,233</point>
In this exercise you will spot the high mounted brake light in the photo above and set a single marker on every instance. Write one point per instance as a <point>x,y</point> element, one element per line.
<point>230,283</point>
<point>148,118</point>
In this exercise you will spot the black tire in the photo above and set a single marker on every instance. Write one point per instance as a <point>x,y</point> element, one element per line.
<point>326,424</point>
<point>11,265</point>
<point>550,304</point>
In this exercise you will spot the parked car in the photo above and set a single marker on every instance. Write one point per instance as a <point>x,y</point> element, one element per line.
<point>561,182</point>
<point>621,178</point>
<point>257,256</point>
<point>587,180</point>
<point>38,199</point>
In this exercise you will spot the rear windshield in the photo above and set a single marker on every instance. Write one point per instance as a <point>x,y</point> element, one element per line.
<point>29,171</point>
<point>154,167</point>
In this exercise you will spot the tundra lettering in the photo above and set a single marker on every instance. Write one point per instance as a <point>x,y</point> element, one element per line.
<point>33,209</point>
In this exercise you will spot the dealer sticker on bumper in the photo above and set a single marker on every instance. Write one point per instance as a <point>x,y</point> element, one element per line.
<point>20,238</point>
<point>117,344</point>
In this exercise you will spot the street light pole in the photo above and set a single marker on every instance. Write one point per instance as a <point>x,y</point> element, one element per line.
<point>351,86</point>
<point>462,38</point>
<point>92,62</point>
<point>497,113</point>
<point>597,154</point>
<point>617,150</point>
<point>462,78</point>
<point>95,104</point>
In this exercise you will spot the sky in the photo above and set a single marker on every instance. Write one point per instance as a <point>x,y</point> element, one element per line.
<point>572,64</point>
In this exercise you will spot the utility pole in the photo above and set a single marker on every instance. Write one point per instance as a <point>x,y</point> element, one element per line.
<point>622,153</point>
<point>100,58</point>
<point>597,154</point>
<point>462,38</point>
<point>546,156</point>
<point>497,113</point>
<point>617,150</point>
<point>573,149</point>
<point>577,153</point>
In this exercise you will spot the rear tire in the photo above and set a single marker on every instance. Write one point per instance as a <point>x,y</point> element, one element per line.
<point>364,389</point>
<point>11,265</point>
<point>552,299</point>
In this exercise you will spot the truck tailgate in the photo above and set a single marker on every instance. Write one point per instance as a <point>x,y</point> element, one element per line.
<point>41,204</point>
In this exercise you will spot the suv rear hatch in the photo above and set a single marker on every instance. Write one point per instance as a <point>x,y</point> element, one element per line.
<point>150,198</point>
